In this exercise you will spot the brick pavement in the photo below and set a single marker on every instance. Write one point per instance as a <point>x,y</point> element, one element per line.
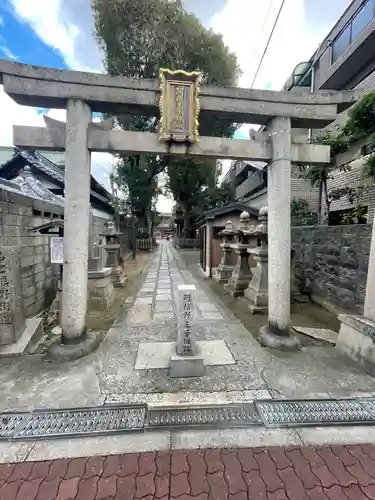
<point>294,473</point>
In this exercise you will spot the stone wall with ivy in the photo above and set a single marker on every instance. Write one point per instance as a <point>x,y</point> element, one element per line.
<point>331,263</point>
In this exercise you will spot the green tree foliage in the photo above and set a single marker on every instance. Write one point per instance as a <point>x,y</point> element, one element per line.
<point>318,175</point>
<point>137,38</point>
<point>299,209</point>
<point>361,117</point>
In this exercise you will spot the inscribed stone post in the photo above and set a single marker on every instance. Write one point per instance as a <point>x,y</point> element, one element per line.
<point>186,345</point>
<point>12,318</point>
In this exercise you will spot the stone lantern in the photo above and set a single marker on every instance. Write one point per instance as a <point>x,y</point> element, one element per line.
<point>112,249</point>
<point>241,275</point>
<point>225,268</point>
<point>257,291</point>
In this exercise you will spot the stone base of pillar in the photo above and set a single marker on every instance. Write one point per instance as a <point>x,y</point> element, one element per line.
<point>258,300</point>
<point>236,286</point>
<point>241,276</point>
<point>257,291</point>
<point>356,339</point>
<point>117,277</point>
<point>82,346</point>
<point>298,297</point>
<point>186,366</point>
<point>100,289</point>
<point>27,342</point>
<point>273,340</point>
<point>223,274</point>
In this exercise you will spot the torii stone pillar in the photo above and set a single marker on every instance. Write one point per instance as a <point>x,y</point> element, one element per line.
<point>75,342</point>
<point>277,334</point>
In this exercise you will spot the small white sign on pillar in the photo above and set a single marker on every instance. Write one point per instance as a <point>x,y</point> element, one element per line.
<point>57,250</point>
<point>186,304</point>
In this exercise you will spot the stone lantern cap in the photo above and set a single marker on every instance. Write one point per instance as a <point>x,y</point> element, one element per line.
<point>229,229</point>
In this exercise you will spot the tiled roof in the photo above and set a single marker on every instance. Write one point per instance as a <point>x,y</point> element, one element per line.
<point>44,164</point>
<point>55,171</point>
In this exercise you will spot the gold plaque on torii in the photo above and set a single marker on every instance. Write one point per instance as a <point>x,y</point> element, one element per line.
<point>179,105</point>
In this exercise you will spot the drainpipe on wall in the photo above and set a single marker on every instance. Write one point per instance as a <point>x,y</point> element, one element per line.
<point>312,90</point>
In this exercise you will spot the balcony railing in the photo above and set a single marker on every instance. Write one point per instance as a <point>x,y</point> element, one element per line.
<point>250,186</point>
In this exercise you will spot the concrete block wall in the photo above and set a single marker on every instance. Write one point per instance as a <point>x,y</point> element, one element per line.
<point>331,263</point>
<point>301,188</point>
<point>18,213</point>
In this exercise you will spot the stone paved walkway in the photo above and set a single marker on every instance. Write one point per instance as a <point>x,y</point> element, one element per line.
<point>307,473</point>
<point>109,376</point>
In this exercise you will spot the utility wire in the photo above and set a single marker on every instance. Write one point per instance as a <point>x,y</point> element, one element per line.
<point>268,42</point>
<point>261,30</point>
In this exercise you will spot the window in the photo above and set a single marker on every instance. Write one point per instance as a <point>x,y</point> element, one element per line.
<point>356,25</point>
<point>362,18</point>
<point>341,43</point>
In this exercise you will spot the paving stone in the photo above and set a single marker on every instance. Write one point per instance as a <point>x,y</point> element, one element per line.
<point>233,473</point>
<point>88,488</point>
<point>198,472</point>
<point>246,457</point>
<point>293,484</point>
<point>336,467</point>
<point>68,489</point>
<point>8,491</point>
<point>21,472</point>
<point>76,468</point>
<point>354,492</point>
<point>279,457</point>
<point>303,470</point>
<point>256,488</point>
<point>107,487</point>
<point>311,455</point>
<point>162,485</point>
<point>361,475</point>
<point>126,487</point>
<point>94,467</point>
<point>48,490</point>
<point>218,486</point>
<point>147,463</point>
<point>179,462</point>
<point>267,470</point>
<point>213,461</point>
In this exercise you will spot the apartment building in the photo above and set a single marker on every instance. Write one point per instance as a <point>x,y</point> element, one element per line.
<point>344,60</point>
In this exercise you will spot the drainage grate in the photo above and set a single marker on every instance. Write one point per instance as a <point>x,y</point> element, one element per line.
<point>300,413</point>
<point>74,422</point>
<point>228,416</point>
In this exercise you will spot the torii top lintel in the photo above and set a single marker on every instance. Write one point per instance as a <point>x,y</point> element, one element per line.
<point>51,88</point>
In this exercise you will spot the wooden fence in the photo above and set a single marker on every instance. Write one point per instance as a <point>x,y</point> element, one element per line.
<point>144,243</point>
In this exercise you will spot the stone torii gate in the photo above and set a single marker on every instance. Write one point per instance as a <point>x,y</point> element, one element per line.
<point>83,93</point>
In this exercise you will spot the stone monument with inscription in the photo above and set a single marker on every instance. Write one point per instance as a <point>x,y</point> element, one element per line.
<point>186,359</point>
<point>16,333</point>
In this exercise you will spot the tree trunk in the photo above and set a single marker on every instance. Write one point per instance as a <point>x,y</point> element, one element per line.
<point>188,231</point>
<point>326,199</point>
<point>320,218</point>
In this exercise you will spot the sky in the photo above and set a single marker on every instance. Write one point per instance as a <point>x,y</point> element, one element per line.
<point>59,34</point>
